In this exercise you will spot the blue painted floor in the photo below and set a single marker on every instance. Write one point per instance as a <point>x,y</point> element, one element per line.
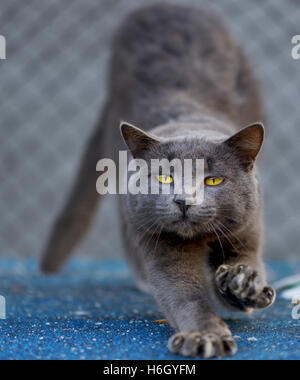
<point>93,311</point>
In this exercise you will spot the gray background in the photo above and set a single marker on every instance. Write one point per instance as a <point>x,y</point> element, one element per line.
<point>52,87</point>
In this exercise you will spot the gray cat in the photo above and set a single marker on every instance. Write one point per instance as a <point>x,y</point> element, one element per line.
<point>178,74</point>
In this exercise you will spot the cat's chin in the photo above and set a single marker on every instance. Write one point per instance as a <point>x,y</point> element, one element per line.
<point>189,230</point>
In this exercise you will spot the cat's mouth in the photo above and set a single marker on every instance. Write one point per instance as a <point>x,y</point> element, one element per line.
<point>199,220</point>
<point>186,220</point>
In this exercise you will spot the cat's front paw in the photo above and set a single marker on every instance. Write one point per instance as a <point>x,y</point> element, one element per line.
<point>241,287</point>
<point>205,345</point>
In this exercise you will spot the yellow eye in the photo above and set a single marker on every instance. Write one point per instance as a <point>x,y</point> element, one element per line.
<point>213,181</point>
<point>165,178</point>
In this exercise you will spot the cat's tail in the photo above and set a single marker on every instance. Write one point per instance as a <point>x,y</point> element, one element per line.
<point>77,215</point>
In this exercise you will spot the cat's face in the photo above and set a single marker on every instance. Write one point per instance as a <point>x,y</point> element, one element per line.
<point>231,192</point>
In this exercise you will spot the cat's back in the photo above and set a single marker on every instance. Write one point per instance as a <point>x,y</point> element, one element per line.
<point>166,52</point>
<point>173,46</point>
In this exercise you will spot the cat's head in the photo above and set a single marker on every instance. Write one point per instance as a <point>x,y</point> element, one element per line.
<point>231,189</point>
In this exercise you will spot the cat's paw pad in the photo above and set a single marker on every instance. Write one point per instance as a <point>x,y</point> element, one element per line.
<point>242,287</point>
<point>206,345</point>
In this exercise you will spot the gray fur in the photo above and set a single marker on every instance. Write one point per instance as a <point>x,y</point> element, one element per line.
<point>178,74</point>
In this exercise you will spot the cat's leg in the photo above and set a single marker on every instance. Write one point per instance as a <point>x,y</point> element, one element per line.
<point>241,283</point>
<point>77,215</point>
<point>181,291</point>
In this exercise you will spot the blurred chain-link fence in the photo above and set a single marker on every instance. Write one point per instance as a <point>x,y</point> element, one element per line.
<point>52,87</point>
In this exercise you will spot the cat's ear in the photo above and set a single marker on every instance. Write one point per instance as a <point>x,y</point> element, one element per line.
<point>137,140</point>
<point>247,143</point>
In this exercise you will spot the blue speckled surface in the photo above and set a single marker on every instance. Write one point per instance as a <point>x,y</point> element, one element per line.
<point>93,311</point>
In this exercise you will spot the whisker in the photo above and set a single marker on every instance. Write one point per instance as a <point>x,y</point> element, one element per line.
<point>145,224</point>
<point>218,240</point>
<point>226,237</point>
<point>158,236</point>
<point>233,235</point>
<point>151,236</point>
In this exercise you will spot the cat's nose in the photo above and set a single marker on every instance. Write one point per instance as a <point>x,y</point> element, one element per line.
<point>181,203</point>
